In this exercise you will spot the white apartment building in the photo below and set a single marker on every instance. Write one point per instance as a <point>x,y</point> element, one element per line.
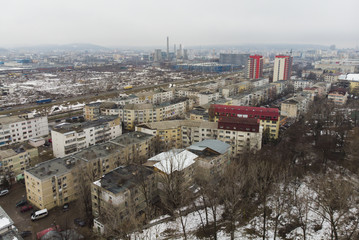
<point>15,129</point>
<point>302,84</point>
<point>282,68</point>
<point>206,97</point>
<point>71,138</point>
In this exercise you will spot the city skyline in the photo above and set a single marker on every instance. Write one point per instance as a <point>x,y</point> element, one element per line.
<point>148,23</point>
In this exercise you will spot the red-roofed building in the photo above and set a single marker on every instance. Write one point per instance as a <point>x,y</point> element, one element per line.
<point>268,117</point>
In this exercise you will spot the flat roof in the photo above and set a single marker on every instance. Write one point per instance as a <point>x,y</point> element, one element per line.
<point>123,178</point>
<point>60,166</point>
<point>53,167</point>
<point>78,127</point>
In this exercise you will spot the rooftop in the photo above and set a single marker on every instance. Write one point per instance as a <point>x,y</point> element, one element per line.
<point>60,166</point>
<point>53,167</point>
<point>131,138</point>
<point>174,160</point>
<point>350,77</point>
<point>215,145</point>
<point>124,177</point>
<point>5,220</point>
<point>14,149</point>
<point>78,127</point>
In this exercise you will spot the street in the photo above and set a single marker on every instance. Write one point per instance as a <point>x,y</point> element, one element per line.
<point>56,216</point>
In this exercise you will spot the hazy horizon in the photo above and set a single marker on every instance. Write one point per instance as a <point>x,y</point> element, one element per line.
<point>192,23</point>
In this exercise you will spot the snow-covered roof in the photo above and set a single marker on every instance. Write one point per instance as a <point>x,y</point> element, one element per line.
<point>174,160</point>
<point>350,77</point>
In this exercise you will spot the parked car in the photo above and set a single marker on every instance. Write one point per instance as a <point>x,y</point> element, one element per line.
<point>21,203</point>
<point>65,207</point>
<point>26,208</point>
<point>79,222</point>
<point>4,192</point>
<point>25,233</point>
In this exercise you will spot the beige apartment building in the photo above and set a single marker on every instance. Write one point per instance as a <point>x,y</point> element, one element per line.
<point>15,158</point>
<point>125,192</point>
<point>134,114</point>
<point>58,181</point>
<point>183,133</point>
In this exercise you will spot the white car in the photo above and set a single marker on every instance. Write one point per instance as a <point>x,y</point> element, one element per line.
<point>4,192</point>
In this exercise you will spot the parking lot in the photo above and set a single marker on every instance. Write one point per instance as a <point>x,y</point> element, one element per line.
<point>56,216</point>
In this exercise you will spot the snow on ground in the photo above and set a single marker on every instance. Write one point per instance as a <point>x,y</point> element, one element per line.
<point>193,222</point>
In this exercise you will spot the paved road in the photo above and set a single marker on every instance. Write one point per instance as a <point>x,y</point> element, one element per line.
<point>23,222</point>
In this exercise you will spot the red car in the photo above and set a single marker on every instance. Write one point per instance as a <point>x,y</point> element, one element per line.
<point>25,208</point>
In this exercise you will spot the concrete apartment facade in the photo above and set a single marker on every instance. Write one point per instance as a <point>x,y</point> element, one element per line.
<point>268,117</point>
<point>58,181</point>
<point>15,129</point>
<point>121,193</point>
<point>183,133</point>
<point>71,138</point>
<point>134,114</point>
<point>14,159</point>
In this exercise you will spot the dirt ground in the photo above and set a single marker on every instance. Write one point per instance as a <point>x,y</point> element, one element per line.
<point>56,216</point>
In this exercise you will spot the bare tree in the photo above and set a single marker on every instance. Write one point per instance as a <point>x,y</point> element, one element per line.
<point>174,182</point>
<point>334,203</point>
<point>235,193</point>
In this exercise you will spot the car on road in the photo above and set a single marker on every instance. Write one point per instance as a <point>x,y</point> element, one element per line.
<point>4,192</point>
<point>79,222</point>
<point>21,203</point>
<point>65,207</point>
<point>25,233</point>
<point>26,208</point>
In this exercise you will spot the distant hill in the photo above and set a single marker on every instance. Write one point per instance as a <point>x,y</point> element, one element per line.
<point>66,47</point>
<point>265,46</point>
<point>3,50</point>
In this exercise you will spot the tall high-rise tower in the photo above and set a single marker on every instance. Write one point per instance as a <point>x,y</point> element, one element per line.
<point>255,67</point>
<point>282,68</point>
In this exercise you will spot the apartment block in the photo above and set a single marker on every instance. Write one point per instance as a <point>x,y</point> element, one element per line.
<point>124,192</point>
<point>338,96</point>
<point>268,117</point>
<point>295,106</point>
<point>93,111</point>
<point>134,114</point>
<point>183,133</point>
<point>71,138</point>
<point>58,181</point>
<point>282,68</point>
<point>15,129</point>
<point>15,158</point>
<point>213,157</point>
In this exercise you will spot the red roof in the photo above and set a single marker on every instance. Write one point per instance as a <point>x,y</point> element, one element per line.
<point>282,56</point>
<point>239,124</point>
<point>244,112</point>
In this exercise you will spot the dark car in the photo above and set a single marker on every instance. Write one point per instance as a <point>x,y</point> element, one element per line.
<point>79,222</point>
<point>65,207</point>
<point>21,203</point>
<point>26,208</point>
<point>25,233</point>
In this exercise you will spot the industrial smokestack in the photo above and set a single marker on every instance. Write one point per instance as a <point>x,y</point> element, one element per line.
<point>168,48</point>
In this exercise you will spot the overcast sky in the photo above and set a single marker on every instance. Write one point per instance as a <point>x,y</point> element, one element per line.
<point>115,23</point>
